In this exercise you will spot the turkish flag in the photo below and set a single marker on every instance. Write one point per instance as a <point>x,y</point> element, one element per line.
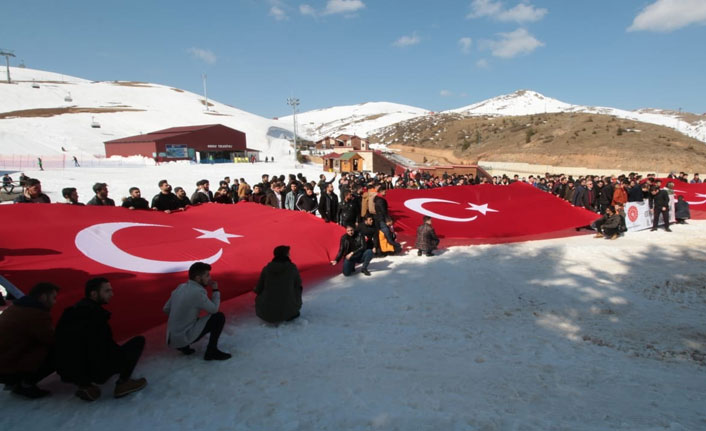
<point>146,254</point>
<point>694,194</point>
<point>486,213</point>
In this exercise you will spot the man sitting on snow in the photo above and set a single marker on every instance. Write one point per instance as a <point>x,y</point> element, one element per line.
<point>26,341</point>
<point>86,352</point>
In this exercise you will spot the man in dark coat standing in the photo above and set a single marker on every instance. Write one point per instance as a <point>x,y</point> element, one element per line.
<point>328,205</point>
<point>279,289</point>
<point>660,205</point>
<point>27,340</point>
<point>85,350</point>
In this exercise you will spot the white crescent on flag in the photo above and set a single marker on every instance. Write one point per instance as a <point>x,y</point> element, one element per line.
<point>96,242</point>
<point>417,205</point>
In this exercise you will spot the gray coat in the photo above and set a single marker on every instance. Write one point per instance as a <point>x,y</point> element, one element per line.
<point>183,307</point>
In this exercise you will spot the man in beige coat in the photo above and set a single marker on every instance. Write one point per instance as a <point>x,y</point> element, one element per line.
<point>183,307</point>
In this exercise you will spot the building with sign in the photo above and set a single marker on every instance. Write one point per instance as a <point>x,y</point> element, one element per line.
<point>214,143</point>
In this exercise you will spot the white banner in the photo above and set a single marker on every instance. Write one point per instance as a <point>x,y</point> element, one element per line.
<point>638,215</point>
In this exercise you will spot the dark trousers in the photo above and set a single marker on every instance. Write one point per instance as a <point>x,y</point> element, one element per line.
<point>598,224</point>
<point>611,231</point>
<point>665,217</point>
<point>214,326</point>
<point>349,264</point>
<point>131,352</point>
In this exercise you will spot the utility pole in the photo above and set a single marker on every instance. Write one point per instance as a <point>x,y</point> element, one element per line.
<point>205,95</point>
<point>7,54</point>
<point>294,102</point>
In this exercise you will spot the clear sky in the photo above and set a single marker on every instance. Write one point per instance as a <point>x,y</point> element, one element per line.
<point>436,55</point>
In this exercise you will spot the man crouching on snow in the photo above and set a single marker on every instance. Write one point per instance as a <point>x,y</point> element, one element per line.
<point>184,325</point>
<point>427,241</point>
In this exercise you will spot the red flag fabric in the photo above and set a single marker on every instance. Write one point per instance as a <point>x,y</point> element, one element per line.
<point>486,213</point>
<point>694,194</point>
<point>146,254</point>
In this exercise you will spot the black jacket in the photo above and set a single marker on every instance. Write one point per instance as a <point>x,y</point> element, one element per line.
<point>635,194</point>
<point>201,198</point>
<point>348,244</point>
<point>138,204</point>
<point>279,291</point>
<point>371,235</point>
<point>41,199</point>
<point>348,213</point>
<point>168,202</point>
<point>306,203</point>
<point>85,349</point>
<point>328,207</point>
<point>380,208</point>
<point>108,202</point>
<point>661,199</point>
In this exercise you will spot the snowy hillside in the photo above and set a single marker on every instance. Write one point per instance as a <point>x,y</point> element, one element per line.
<point>525,102</point>
<point>359,119</point>
<point>64,107</point>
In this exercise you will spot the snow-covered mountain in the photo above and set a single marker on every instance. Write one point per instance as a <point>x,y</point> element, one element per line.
<point>525,102</point>
<point>41,112</point>
<point>361,119</point>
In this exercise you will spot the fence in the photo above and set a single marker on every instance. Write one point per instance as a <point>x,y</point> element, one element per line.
<point>20,162</point>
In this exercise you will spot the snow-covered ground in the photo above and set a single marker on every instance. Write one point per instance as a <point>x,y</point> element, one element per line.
<point>566,334</point>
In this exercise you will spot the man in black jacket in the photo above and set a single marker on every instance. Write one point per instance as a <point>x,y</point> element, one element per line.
<point>202,194</point>
<point>352,250</point>
<point>85,349</point>
<point>307,200</point>
<point>348,211</point>
<point>380,204</point>
<point>101,198</point>
<point>371,233</point>
<point>32,193</point>
<point>135,201</point>
<point>165,200</point>
<point>328,205</point>
<point>660,205</point>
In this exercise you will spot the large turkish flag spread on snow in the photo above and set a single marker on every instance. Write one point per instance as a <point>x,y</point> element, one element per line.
<point>146,254</point>
<point>694,194</point>
<point>486,213</point>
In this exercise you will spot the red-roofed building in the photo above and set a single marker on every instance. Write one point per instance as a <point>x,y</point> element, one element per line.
<point>208,143</point>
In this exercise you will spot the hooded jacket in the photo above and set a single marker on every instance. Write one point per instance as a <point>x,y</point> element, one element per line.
<point>279,291</point>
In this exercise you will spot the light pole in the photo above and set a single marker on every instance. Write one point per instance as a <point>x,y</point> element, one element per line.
<point>294,102</point>
<point>7,55</point>
<point>205,95</point>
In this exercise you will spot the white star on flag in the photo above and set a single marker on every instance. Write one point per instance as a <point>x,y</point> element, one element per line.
<point>218,234</point>
<point>481,208</point>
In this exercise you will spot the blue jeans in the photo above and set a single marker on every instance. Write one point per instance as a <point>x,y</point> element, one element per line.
<point>349,264</point>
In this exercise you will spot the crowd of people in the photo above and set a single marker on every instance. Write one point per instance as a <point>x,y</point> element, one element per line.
<point>81,348</point>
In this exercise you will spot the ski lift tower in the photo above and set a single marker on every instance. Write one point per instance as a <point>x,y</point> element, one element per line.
<point>7,54</point>
<point>294,102</point>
